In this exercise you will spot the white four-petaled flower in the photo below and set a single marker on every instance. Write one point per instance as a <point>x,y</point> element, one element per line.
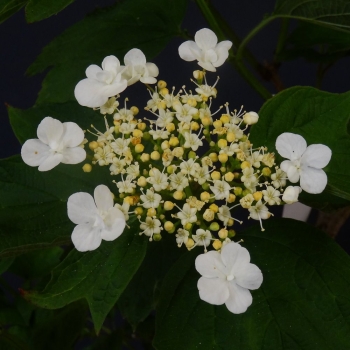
<point>206,50</point>
<point>58,143</point>
<point>305,163</point>
<point>100,84</point>
<point>227,277</point>
<point>96,218</point>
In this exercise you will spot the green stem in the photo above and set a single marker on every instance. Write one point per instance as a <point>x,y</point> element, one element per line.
<point>282,36</point>
<point>237,63</point>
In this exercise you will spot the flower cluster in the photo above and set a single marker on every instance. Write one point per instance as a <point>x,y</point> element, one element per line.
<point>179,166</point>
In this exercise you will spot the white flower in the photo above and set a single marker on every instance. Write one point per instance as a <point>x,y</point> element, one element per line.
<point>58,143</point>
<point>259,212</point>
<point>271,195</point>
<point>110,106</point>
<point>178,181</point>
<point>227,277</point>
<point>150,199</point>
<point>202,238</point>
<point>205,50</point>
<point>278,178</point>
<point>100,84</point>
<point>187,214</point>
<point>251,118</point>
<point>181,237</point>
<point>150,227</point>
<point>305,163</point>
<point>158,180</point>
<point>136,68</point>
<point>291,194</point>
<point>192,141</point>
<point>96,220</point>
<point>221,189</point>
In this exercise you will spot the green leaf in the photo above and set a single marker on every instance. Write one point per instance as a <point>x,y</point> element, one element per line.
<point>146,24</point>
<point>334,13</point>
<point>303,302</point>
<point>9,7</point>
<point>99,276</point>
<point>5,264</point>
<point>320,117</point>
<point>142,294</point>
<point>316,43</point>
<point>36,10</point>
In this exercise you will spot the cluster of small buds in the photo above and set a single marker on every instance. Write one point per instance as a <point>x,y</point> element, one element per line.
<point>184,168</point>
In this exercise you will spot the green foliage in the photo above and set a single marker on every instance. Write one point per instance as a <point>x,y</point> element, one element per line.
<point>320,117</point>
<point>302,303</point>
<point>333,13</point>
<point>9,7</point>
<point>99,276</point>
<point>146,24</point>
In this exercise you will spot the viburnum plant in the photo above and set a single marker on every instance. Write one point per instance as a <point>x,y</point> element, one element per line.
<point>180,167</point>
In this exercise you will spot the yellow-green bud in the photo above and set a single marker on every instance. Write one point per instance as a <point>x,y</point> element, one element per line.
<point>134,110</point>
<point>214,157</point>
<point>206,186</point>
<point>246,191</point>
<point>198,74</point>
<point>178,195</point>
<point>144,157</point>
<point>170,169</point>
<point>223,158</point>
<point>222,143</point>
<point>217,124</point>
<point>161,84</point>
<point>194,126</point>
<point>142,182</point>
<point>237,191</point>
<point>170,127</point>
<point>189,244</point>
<point>214,226</point>
<point>168,205</point>
<point>139,148</point>
<point>229,176</point>
<point>257,195</point>
<point>230,222</point>
<point>214,208</point>
<point>87,168</point>
<point>174,141</point>
<point>137,133</point>
<point>141,126</point>
<point>138,211</point>
<point>146,135</point>
<point>231,233</point>
<point>151,212</point>
<point>93,145</point>
<point>157,237</point>
<point>206,121</point>
<point>230,137</point>
<point>155,155</point>
<point>266,172</point>
<point>223,233</point>
<point>164,91</point>
<point>245,165</point>
<point>165,145</point>
<point>215,175</point>
<point>217,244</point>
<point>192,102</point>
<point>231,198</point>
<point>205,196</point>
<point>225,119</point>
<point>168,226</point>
<point>188,226</point>
<point>192,154</point>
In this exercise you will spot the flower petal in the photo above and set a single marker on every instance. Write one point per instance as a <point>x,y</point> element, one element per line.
<point>92,70</point>
<point>103,198</point>
<point>50,162</point>
<point>73,155</point>
<point>135,57</point>
<point>207,264</point>
<point>316,156</point>
<point>50,131</point>
<point>239,299</point>
<point>90,93</point>
<point>213,290</point>
<point>115,88</point>
<point>248,276</point>
<point>313,180</point>
<point>73,135</point>
<point>86,237</point>
<point>189,51</point>
<point>152,69</point>
<point>233,253</point>
<point>222,52</point>
<point>115,222</point>
<point>81,208</point>
<point>148,80</point>
<point>34,152</point>
<point>207,65</point>
<point>293,174</point>
<point>206,39</point>
<point>290,146</point>
<point>111,63</point>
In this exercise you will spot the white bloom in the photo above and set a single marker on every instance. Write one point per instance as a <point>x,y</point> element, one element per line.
<point>259,212</point>
<point>96,220</point>
<point>127,128</point>
<point>205,50</point>
<point>164,118</point>
<point>224,214</point>
<point>58,143</point>
<point>178,181</point>
<point>124,209</point>
<point>120,146</point>
<point>202,174</point>
<point>192,141</point>
<point>187,214</point>
<point>291,194</point>
<point>100,84</point>
<point>227,277</point>
<point>189,167</point>
<point>110,106</point>
<point>136,68</point>
<point>305,163</point>
<point>123,114</point>
<point>221,189</point>
<point>150,199</point>
<point>251,118</point>
<point>271,195</point>
<point>278,178</point>
<point>202,238</point>
<point>150,227</point>
<point>181,237</point>
<point>158,180</point>
<point>127,185</point>
<point>184,113</point>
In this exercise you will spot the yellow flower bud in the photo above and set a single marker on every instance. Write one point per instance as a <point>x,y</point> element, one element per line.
<point>230,222</point>
<point>170,127</point>
<point>178,152</point>
<point>164,91</point>
<point>205,196</point>
<point>192,154</point>
<point>223,158</point>
<point>188,226</point>
<point>214,226</point>
<point>174,141</point>
<point>141,126</point>
<point>222,143</point>
<point>139,148</point>
<point>266,172</point>
<point>134,110</point>
<point>138,211</point>
<point>223,169</point>
<point>161,105</point>
<point>257,195</point>
<point>168,226</point>
<point>215,175</point>
<point>137,133</point>
<point>206,121</point>
<point>231,233</point>
<point>194,126</point>
<point>225,119</point>
<point>151,212</point>
<point>178,195</point>
<point>214,157</point>
<point>142,182</point>
<point>229,176</point>
<point>161,84</point>
<point>217,244</point>
<point>208,215</point>
<point>189,244</point>
<point>251,118</point>
<point>164,145</point>
<point>144,157</point>
<point>223,233</point>
<point>231,198</point>
<point>192,102</point>
<point>230,137</point>
<point>155,155</point>
<point>245,165</point>
<point>93,145</point>
<point>157,237</point>
<point>198,74</point>
<point>217,124</point>
<point>214,208</point>
<point>168,205</point>
<point>87,168</point>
